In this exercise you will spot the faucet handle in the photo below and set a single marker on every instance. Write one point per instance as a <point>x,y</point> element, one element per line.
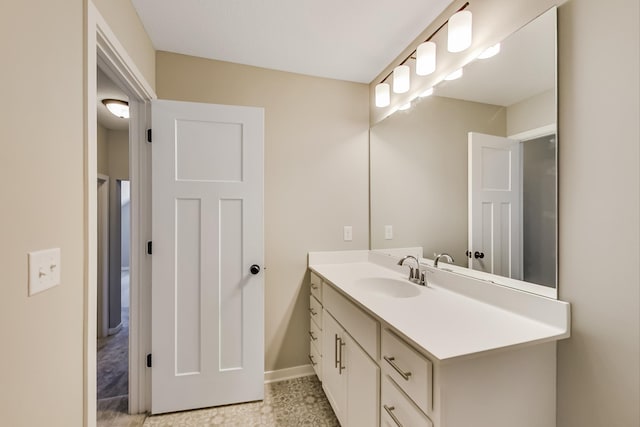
<point>411,276</point>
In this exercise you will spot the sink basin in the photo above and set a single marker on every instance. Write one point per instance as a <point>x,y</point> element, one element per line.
<point>386,287</point>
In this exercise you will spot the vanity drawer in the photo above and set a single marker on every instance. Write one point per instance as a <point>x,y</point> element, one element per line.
<point>316,360</point>
<point>315,336</point>
<point>362,327</point>
<point>315,310</point>
<point>316,286</point>
<point>409,369</point>
<point>393,403</point>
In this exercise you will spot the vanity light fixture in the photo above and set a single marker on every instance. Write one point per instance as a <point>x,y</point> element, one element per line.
<point>117,107</point>
<point>490,52</point>
<point>401,79</point>
<point>455,75</point>
<point>426,93</point>
<point>425,56</point>
<point>383,98</point>
<point>460,30</point>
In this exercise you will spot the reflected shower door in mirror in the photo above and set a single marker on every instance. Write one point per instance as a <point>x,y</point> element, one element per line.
<point>472,169</point>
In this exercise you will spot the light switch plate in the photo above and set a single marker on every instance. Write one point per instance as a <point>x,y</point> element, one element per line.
<point>388,232</point>
<point>44,270</point>
<point>348,233</point>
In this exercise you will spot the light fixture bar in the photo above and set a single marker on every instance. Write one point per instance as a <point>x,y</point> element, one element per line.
<point>411,55</point>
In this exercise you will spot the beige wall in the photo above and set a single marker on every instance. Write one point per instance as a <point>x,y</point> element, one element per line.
<point>316,175</point>
<point>532,113</point>
<point>118,154</point>
<point>103,150</point>
<point>41,184</point>
<point>419,173</point>
<point>126,25</point>
<point>598,368</point>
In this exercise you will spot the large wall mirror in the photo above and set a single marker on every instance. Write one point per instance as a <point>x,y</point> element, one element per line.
<point>472,169</point>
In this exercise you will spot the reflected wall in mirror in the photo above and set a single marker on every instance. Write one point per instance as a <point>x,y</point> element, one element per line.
<point>472,169</point>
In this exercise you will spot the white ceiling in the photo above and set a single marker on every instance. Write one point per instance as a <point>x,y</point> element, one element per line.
<point>347,40</point>
<point>107,89</point>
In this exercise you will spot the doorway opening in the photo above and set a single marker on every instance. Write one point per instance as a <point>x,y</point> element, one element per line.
<point>114,241</point>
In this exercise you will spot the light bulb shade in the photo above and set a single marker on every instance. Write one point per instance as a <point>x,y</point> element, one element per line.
<point>455,75</point>
<point>383,98</point>
<point>492,51</point>
<point>117,107</point>
<point>459,37</point>
<point>426,58</point>
<point>401,79</point>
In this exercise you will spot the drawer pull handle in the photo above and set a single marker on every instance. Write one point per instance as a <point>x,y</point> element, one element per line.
<point>313,337</point>
<point>335,350</point>
<point>312,311</point>
<point>389,410</point>
<point>312,361</point>
<point>390,361</point>
<point>314,287</point>
<point>340,367</point>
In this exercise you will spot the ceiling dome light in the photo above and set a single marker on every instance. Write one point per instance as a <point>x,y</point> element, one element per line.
<point>426,58</point>
<point>404,106</point>
<point>426,93</point>
<point>117,107</point>
<point>401,79</point>
<point>455,75</point>
<point>492,51</point>
<point>382,95</point>
<point>459,37</point>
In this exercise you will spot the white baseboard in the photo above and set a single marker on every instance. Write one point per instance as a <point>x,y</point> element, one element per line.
<point>113,331</point>
<point>288,373</point>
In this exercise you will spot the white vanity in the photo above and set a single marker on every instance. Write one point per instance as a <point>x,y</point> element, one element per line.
<point>460,352</point>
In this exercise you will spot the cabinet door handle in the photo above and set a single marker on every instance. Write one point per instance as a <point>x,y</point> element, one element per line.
<point>314,286</point>
<point>340,367</point>
<point>312,311</point>
<point>313,337</point>
<point>312,361</point>
<point>335,350</point>
<point>390,361</point>
<point>389,410</point>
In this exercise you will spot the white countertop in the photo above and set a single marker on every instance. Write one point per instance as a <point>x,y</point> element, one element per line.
<point>444,323</point>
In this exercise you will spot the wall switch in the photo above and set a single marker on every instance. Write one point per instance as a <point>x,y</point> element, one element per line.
<point>348,233</point>
<point>44,270</point>
<point>388,232</point>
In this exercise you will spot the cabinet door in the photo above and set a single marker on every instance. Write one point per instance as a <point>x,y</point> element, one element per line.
<point>363,385</point>
<point>334,379</point>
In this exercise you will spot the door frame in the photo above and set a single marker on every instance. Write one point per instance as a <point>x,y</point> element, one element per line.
<point>102,48</point>
<point>103,254</point>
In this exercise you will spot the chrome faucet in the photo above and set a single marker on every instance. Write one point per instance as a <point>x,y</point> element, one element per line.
<point>415,275</point>
<point>437,258</point>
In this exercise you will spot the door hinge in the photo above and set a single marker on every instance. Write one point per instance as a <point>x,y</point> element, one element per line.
<point>148,135</point>
<point>149,360</point>
<point>149,247</point>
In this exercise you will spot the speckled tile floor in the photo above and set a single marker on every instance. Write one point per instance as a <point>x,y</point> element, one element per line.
<point>296,402</point>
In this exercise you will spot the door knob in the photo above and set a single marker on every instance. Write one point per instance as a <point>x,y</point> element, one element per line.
<point>478,254</point>
<point>468,254</point>
<point>254,269</point>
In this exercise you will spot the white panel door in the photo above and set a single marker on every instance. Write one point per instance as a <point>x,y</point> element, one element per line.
<point>494,205</point>
<point>207,307</point>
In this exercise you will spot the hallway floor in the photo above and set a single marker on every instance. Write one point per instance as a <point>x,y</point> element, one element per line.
<point>296,402</point>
